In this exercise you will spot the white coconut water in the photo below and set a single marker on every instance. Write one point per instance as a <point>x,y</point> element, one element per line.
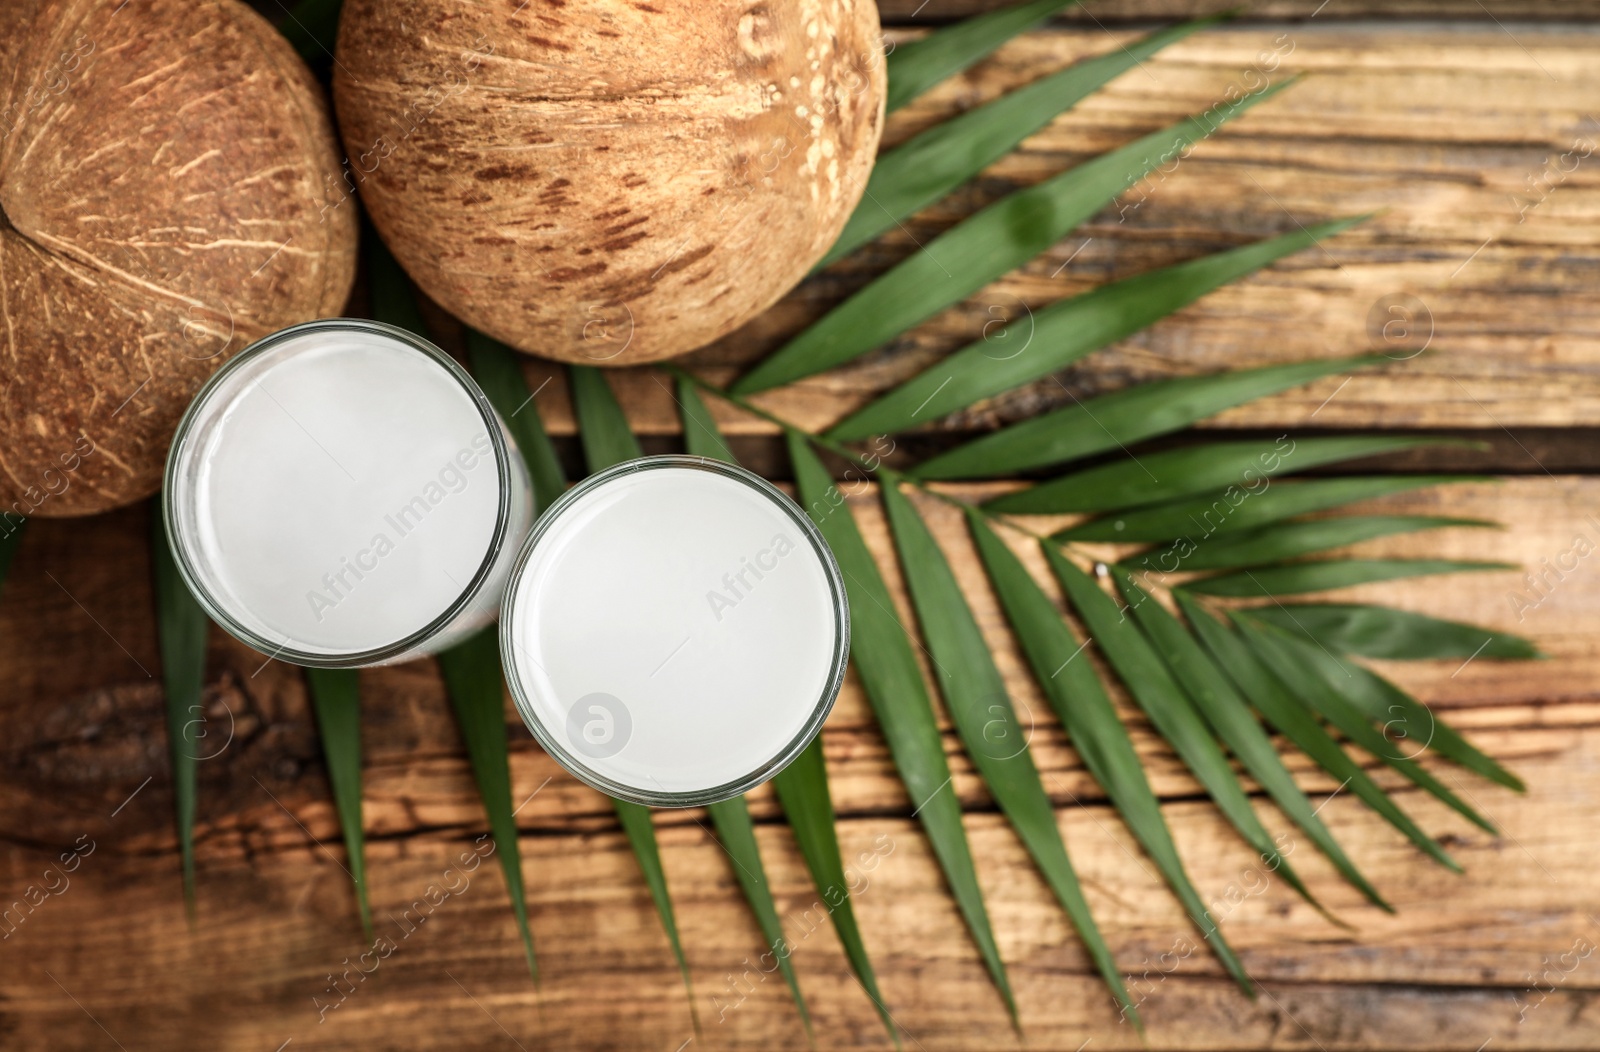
<point>675,628</point>
<point>340,491</point>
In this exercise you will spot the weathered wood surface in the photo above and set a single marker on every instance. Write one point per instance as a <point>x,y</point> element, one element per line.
<point>1441,124</point>
<point>1451,970</point>
<point>1442,127</point>
<point>915,12</point>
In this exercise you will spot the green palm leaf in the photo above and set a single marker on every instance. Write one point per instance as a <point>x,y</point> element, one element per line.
<point>738,835</point>
<point>803,790</point>
<point>1381,632</point>
<point>607,440</point>
<point>1121,418</point>
<point>181,627</point>
<point>1278,704</point>
<point>336,699</point>
<point>881,650</point>
<point>1288,657</point>
<point>1158,478</point>
<point>701,436</point>
<point>1239,508</point>
<point>1334,573</point>
<point>312,26</point>
<point>732,817</point>
<point>471,668</point>
<point>975,695</point>
<point>1408,725</point>
<point>1170,710</point>
<point>1230,717</point>
<point>394,301</point>
<point>978,250</point>
<point>602,426</point>
<point>917,173</point>
<point>1064,332</point>
<point>914,68</point>
<point>1080,702</point>
<point>641,833</point>
<point>1407,717</point>
<point>472,679</point>
<point>495,367</point>
<point>1281,541</point>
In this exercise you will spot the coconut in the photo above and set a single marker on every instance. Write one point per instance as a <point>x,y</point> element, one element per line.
<point>171,191</point>
<point>609,181</point>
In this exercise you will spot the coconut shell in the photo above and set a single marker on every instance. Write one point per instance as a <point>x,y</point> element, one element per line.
<point>609,182</point>
<point>172,191</point>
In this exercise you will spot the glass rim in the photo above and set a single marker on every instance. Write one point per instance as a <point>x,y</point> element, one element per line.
<point>339,659</point>
<point>547,736</point>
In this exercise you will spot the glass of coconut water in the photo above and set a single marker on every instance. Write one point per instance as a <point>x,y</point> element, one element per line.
<point>341,494</point>
<point>675,631</point>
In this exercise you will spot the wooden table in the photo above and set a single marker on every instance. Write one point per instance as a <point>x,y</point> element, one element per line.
<point>1442,123</point>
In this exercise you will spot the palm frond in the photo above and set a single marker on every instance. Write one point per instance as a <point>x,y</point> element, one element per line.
<point>1277,704</point>
<point>917,173</point>
<point>1241,508</point>
<point>1229,716</point>
<point>1381,632</point>
<point>986,720</point>
<point>1282,541</point>
<point>607,440</point>
<point>312,26</point>
<point>1289,657</point>
<point>495,367</point>
<point>472,679</point>
<point>181,627</point>
<point>336,699</point>
<point>1266,581</point>
<point>980,249</point>
<point>1081,704</point>
<point>703,438</point>
<point>887,666</point>
<point>1122,418</point>
<point>738,836</point>
<point>1159,478</point>
<point>802,789</point>
<point>471,668</point>
<point>1169,709</point>
<point>1038,345</point>
<point>918,66</point>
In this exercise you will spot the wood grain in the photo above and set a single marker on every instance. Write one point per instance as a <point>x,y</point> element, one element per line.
<point>276,917</point>
<point>917,12</point>
<point>1438,128</point>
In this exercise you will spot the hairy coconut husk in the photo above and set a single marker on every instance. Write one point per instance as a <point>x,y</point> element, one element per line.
<point>172,191</point>
<point>609,182</point>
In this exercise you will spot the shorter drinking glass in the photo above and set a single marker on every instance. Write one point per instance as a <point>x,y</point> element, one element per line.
<point>341,494</point>
<point>675,631</point>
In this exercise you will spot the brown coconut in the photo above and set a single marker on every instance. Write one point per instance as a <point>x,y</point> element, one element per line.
<point>602,181</point>
<point>171,191</point>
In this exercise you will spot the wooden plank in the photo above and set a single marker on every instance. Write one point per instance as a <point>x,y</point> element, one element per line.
<point>918,12</point>
<point>1442,128</point>
<point>86,755</point>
